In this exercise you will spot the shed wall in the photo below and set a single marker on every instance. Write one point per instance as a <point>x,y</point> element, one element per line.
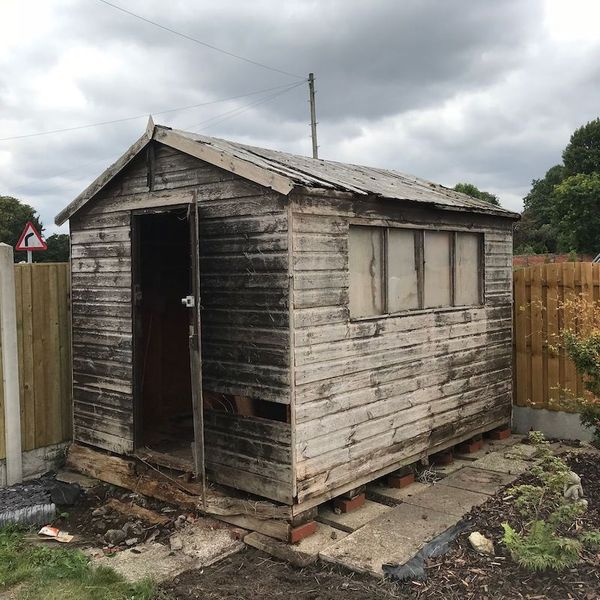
<point>372,394</point>
<point>245,318</point>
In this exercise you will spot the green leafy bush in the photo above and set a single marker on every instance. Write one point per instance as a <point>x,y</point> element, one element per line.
<point>543,544</point>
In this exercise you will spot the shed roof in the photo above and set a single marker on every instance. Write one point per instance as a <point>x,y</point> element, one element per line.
<point>283,172</point>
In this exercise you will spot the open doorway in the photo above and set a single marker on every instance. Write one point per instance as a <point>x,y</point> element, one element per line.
<point>162,277</point>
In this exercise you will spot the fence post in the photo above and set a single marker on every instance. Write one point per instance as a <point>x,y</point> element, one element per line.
<point>10,362</point>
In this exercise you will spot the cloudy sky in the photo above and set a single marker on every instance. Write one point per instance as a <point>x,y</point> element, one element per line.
<point>449,90</point>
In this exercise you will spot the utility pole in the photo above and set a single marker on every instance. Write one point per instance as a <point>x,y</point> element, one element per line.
<point>313,114</point>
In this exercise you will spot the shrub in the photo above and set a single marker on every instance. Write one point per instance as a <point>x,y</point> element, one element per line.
<point>543,543</point>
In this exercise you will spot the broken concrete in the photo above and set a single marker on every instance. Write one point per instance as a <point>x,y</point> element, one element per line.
<point>202,544</point>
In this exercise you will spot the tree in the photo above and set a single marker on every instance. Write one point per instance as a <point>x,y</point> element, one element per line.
<point>582,154</point>
<point>535,232</point>
<point>13,217</point>
<point>470,190</point>
<point>577,214</point>
<point>58,249</point>
<point>14,214</point>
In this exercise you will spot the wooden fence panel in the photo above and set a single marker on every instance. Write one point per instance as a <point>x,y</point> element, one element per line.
<point>44,345</point>
<point>546,303</point>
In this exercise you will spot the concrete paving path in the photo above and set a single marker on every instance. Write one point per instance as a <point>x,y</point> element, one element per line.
<point>422,511</point>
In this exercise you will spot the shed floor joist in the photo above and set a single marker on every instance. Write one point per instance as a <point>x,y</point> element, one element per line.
<point>140,476</point>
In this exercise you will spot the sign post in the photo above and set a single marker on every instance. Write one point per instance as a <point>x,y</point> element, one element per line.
<point>30,241</point>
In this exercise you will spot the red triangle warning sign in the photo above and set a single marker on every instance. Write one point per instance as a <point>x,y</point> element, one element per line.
<point>31,239</point>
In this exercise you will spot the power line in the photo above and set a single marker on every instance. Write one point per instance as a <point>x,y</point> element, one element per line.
<point>197,41</point>
<point>213,121</point>
<point>145,115</point>
<point>235,111</point>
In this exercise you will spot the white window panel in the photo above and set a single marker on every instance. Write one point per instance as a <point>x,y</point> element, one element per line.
<point>366,271</point>
<point>403,290</point>
<point>466,263</point>
<point>437,269</point>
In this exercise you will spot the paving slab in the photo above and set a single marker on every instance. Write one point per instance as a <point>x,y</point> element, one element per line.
<point>446,499</point>
<point>477,480</point>
<point>383,493</point>
<point>394,537</point>
<point>353,520</point>
<point>496,461</point>
<point>305,552</point>
<point>521,452</point>
<point>445,470</point>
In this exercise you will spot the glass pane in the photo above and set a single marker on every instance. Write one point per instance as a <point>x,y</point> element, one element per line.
<point>402,270</point>
<point>366,271</point>
<point>467,269</point>
<point>437,268</point>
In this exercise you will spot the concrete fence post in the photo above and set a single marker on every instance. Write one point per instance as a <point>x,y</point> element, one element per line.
<point>10,362</point>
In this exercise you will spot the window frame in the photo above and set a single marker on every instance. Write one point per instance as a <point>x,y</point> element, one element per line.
<point>419,235</point>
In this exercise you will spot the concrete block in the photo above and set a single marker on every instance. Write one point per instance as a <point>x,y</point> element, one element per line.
<point>499,434</point>
<point>302,531</point>
<point>345,505</point>
<point>354,520</point>
<point>400,481</point>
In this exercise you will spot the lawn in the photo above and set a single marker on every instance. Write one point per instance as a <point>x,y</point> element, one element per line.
<point>39,572</point>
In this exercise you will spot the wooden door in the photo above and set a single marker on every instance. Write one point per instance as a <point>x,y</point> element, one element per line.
<point>195,349</point>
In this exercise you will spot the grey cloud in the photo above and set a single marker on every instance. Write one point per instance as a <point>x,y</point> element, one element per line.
<point>386,74</point>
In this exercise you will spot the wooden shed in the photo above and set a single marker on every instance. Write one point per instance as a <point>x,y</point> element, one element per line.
<point>353,319</point>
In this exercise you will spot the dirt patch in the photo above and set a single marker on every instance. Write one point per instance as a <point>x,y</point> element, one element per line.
<point>250,574</point>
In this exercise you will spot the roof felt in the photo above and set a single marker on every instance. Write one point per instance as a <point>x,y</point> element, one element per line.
<point>329,174</point>
<point>289,170</point>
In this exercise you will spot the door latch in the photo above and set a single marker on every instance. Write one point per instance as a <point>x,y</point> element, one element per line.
<point>188,301</point>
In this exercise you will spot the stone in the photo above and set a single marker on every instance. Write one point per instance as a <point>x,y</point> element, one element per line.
<point>131,541</point>
<point>99,512</point>
<point>114,537</point>
<point>175,542</point>
<point>572,489</point>
<point>481,544</point>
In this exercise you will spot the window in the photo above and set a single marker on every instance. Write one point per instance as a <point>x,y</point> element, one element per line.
<point>366,271</point>
<point>394,270</point>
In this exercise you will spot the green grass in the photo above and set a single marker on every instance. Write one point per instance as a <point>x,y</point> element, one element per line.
<point>53,573</point>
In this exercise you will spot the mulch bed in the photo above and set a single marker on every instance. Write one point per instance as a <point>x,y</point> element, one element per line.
<point>461,573</point>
